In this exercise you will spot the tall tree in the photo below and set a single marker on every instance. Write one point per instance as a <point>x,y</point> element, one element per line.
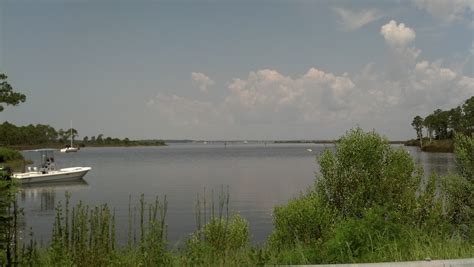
<point>429,125</point>
<point>468,110</point>
<point>418,126</point>
<point>455,121</point>
<point>7,95</point>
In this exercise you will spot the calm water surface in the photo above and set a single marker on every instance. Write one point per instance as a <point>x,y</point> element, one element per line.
<point>259,177</point>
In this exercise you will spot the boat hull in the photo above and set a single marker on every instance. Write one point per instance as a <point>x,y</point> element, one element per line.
<point>69,150</point>
<point>62,175</point>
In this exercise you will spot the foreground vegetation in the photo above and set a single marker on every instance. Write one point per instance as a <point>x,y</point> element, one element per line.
<point>369,203</point>
<point>12,159</point>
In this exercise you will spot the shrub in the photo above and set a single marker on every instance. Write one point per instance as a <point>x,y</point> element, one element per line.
<point>366,171</point>
<point>464,151</point>
<point>354,239</point>
<point>7,154</point>
<point>303,220</point>
<point>222,235</point>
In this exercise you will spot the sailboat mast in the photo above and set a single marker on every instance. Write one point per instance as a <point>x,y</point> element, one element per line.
<point>71,133</point>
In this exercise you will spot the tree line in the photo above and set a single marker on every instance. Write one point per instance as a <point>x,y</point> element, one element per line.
<point>40,134</point>
<point>444,124</point>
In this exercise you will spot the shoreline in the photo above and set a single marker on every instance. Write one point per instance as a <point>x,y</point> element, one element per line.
<point>56,146</point>
<point>435,146</point>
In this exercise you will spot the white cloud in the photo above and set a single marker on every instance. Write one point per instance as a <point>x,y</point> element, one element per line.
<point>397,35</point>
<point>269,96</point>
<point>353,20</point>
<point>447,11</point>
<point>202,81</point>
<point>373,97</point>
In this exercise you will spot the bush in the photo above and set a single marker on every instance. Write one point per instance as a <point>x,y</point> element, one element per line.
<point>303,220</point>
<point>369,205</point>
<point>464,151</point>
<point>356,239</point>
<point>366,171</point>
<point>218,241</point>
<point>222,235</point>
<point>7,154</point>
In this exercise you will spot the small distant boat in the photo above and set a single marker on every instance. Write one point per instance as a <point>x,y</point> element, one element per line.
<point>69,148</point>
<point>246,142</point>
<point>309,150</point>
<point>47,171</point>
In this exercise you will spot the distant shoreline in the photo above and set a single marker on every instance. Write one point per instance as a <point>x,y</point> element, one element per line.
<point>322,142</point>
<point>436,146</point>
<point>59,146</point>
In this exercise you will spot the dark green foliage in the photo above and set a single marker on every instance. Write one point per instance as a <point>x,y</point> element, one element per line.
<point>9,155</point>
<point>418,126</point>
<point>11,134</point>
<point>366,171</point>
<point>465,156</point>
<point>9,216</point>
<point>445,124</point>
<point>37,135</point>
<point>303,220</point>
<point>354,238</point>
<point>7,95</point>
<point>370,204</point>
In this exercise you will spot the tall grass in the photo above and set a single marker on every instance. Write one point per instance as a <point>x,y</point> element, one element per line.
<point>86,236</point>
<point>367,205</point>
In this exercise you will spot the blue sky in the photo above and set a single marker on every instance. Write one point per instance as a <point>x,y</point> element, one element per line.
<point>235,69</point>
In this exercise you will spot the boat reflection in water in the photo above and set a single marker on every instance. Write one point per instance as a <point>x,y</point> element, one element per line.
<point>42,196</point>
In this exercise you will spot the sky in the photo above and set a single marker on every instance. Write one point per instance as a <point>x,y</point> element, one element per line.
<point>235,69</point>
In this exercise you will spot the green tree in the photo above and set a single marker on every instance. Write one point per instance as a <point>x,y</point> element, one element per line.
<point>100,139</point>
<point>468,110</point>
<point>429,123</point>
<point>418,126</point>
<point>455,120</point>
<point>71,132</point>
<point>7,95</point>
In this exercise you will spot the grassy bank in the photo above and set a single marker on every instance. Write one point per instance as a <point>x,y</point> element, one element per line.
<point>368,204</point>
<point>444,146</point>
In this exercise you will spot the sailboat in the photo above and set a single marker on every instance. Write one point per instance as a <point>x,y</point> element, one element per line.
<point>71,148</point>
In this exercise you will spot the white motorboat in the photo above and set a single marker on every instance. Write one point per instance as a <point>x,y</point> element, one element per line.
<point>47,171</point>
<point>69,148</point>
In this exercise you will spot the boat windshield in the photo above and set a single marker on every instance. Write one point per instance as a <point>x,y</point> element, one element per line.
<point>45,163</point>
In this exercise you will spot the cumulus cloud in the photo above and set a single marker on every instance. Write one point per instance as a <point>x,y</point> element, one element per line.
<point>397,35</point>
<point>372,96</point>
<point>353,20</point>
<point>447,11</point>
<point>202,81</point>
<point>267,95</point>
